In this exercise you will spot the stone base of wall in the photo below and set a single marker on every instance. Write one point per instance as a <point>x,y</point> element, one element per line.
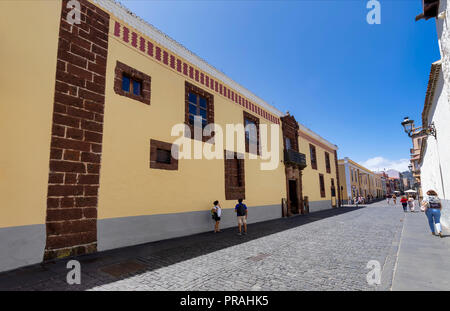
<point>127,231</point>
<point>21,246</point>
<point>316,206</point>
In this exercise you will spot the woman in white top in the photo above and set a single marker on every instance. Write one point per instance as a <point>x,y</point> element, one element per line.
<point>216,214</point>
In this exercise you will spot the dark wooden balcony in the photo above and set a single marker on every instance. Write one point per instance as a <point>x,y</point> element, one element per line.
<point>292,157</point>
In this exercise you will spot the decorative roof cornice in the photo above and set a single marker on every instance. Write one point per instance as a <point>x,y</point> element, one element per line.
<point>303,129</point>
<point>432,83</point>
<point>121,12</point>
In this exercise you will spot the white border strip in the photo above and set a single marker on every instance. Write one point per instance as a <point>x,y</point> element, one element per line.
<point>309,132</point>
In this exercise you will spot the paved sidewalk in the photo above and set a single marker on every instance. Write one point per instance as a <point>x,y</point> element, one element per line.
<point>423,260</point>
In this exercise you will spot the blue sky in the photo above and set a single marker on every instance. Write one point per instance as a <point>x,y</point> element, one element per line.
<point>350,82</point>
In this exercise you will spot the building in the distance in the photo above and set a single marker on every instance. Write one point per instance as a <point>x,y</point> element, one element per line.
<point>356,180</point>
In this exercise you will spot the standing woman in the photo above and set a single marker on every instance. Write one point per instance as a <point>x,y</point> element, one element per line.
<point>216,214</point>
<point>433,207</point>
<point>404,202</point>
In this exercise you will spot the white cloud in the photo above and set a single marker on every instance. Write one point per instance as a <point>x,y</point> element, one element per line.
<point>380,164</point>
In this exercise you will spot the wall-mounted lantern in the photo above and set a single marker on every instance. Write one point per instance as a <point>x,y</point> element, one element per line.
<point>408,125</point>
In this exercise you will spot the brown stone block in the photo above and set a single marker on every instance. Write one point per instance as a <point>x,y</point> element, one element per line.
<point>66,166</point>
<point>64,190</point>
<point>88,179</point>
<point>93,137</point>
<point>67,202</point>
<point>55,178</point>
<point>70,144</point>
<point>80,113</point>
<point>65,120</point>
<point>71,155</point>
<point>55,153</point>
<point>86,202</point>
<point>53,202</point>
<point>63,214</point>
<point>66,99</point>
<point>74,133</point>
<point>70,179</point>
<point>90,212</point>
<point>91,190</point>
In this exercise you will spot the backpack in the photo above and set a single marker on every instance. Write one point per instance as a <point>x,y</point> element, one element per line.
<point>240,209</point>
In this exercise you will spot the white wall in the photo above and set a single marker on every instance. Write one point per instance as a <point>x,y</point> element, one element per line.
<point>435,168</point>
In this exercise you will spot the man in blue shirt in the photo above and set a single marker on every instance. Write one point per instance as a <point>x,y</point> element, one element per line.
<point>241,212</point>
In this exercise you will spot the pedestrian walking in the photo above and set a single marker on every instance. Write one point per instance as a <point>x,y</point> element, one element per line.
<point>394,198</point>
<point>241,213</point>
<point>433,206</point>
<point>404,202</point>
<point>216,215</point>
<point>411,203</point>
<point>387,198</point>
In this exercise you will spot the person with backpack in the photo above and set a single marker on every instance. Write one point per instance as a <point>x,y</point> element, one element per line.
<point>216,213</point>
<point>241,213</point>
<point>432,205</point>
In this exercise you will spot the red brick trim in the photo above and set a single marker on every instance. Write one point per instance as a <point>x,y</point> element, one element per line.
<point>210,107</point>
<point>251,117</point>
<point>77,132</point>
<point>234,176</point>
<point>154,146</point>
<point>146,80</point>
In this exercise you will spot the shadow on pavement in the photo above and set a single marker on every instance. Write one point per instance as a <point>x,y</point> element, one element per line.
<point>114,265</point>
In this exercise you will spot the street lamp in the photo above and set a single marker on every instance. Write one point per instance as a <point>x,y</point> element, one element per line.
<point>408,125</point>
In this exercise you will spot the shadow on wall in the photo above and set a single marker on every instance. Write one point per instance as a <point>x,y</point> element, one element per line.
<point>118,264</point>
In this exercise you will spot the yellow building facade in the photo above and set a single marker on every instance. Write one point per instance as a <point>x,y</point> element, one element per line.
<point>321,176</point>
<point>102,150</point>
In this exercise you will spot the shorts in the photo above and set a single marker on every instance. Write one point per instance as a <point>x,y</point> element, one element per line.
<point>241,220</point>
<point>217,218</point>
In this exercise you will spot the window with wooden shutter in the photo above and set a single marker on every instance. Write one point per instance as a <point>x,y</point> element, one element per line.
<point>322,185</point>
<point>234,176</point>
<point>327,162</point>
<point>312,150</point>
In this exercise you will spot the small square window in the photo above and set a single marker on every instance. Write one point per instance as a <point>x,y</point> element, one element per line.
<point>132,83</point>
<point>163,156</point>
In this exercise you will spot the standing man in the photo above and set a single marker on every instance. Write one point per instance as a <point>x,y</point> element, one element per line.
<point>241,212</point>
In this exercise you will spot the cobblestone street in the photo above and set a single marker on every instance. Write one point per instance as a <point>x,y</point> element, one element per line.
<point>327,250</point>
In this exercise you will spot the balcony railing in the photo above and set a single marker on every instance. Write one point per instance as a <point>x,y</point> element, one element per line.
<point>295,158</point>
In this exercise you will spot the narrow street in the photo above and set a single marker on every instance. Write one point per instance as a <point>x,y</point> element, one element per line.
<point>326,250</point>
